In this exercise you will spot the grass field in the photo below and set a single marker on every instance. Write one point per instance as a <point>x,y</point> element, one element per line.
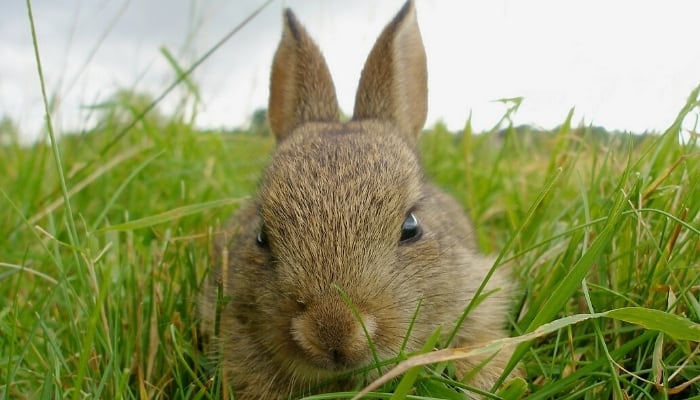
<point>100,302</point>
<point>105,239</point>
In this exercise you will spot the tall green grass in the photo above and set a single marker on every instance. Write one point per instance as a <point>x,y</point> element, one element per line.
<point>112,315</point>
<point>98,298</point>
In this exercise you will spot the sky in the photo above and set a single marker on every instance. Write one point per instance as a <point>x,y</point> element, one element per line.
<point>625,64</point>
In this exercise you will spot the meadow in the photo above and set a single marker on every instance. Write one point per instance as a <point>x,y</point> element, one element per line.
<point>106,236</point>
<point>99,290</point>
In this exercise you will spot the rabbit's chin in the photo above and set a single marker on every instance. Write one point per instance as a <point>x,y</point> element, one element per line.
<point>322,368</point>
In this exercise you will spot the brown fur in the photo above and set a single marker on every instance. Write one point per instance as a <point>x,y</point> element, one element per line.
<point>332,203</point>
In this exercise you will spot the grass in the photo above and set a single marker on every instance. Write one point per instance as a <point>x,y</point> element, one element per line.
<point>98,298</point>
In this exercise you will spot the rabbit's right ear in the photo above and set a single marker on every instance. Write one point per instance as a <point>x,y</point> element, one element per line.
<point>301,88</point>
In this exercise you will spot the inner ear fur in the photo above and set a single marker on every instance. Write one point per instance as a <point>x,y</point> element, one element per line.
<point>301,87</point>
<point>394,84</point>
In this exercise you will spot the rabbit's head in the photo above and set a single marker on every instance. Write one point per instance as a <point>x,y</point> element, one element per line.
<point>347,250</point>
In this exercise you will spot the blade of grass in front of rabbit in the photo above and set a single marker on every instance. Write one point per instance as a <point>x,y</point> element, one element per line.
<point>357,316</point>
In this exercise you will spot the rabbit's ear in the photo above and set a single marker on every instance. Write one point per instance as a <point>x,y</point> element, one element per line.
<point>301,88</point>
<point>394,83</point>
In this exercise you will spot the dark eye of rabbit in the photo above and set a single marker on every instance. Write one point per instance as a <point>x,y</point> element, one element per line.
<point>261,238</point>
<point>410,229</point>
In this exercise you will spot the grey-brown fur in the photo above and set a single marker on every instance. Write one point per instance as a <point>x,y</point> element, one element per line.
<point>332,203</point>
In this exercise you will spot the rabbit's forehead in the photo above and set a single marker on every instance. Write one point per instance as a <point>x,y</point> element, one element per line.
<point>341,170</point>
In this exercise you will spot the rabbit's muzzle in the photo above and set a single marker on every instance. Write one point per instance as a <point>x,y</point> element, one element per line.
<point>329,335</point>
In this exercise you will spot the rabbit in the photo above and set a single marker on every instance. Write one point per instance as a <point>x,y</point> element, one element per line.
<point>346,242</point>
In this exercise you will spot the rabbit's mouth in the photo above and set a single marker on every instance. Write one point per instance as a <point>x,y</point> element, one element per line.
<point>333,363</point>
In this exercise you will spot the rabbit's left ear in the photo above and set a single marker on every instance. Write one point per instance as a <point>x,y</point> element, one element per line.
<point>301,88</point>
<point>394,82</point>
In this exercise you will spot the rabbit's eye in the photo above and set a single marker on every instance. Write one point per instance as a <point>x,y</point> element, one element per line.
<point>410,230</point>
<point>261,238</point>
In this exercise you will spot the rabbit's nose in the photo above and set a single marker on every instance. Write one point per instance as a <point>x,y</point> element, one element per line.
<point>330,336</point>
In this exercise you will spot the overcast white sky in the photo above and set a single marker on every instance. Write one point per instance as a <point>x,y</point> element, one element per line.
<point>623,64</point>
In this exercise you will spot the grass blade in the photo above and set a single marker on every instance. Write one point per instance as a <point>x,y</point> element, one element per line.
<point>170,215</point>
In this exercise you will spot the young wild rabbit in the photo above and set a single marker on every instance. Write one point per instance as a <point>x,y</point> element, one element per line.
<point>346,242</point>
